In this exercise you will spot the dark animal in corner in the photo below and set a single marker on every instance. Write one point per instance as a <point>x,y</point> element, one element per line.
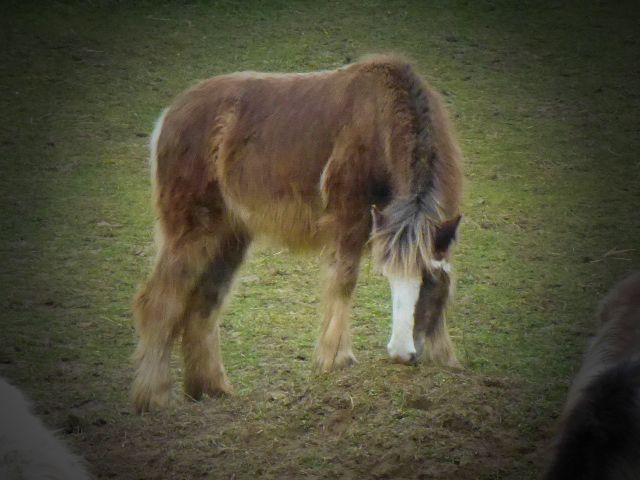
<point>332,161</point>
<point>599,434</point>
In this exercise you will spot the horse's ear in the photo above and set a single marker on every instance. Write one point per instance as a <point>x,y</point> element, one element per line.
<point>445,235</point>
<point>378,218</point>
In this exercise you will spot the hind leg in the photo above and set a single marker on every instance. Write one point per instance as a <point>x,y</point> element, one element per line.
<point>204,369</point>
<point>158,310</point>
<point>333,349</point>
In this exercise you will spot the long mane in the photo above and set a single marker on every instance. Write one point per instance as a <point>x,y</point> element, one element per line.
<point>404,231</point>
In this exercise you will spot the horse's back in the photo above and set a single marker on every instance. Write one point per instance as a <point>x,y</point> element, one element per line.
<point>282,150</point>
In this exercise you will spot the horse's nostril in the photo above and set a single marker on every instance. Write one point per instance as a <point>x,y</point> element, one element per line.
<point>413,360</point>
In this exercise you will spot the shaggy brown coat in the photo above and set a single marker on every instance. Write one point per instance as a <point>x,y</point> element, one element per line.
<point>304,160</point>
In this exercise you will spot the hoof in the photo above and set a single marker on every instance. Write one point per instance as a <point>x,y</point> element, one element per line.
<point>195,390</point>
<point>445,358</point>
<point>334,362</point>
<point>453,362</point>
<point>440,351</point>
<point>151,402</point>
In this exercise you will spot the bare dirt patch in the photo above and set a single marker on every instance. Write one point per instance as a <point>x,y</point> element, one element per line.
<point>404,423</point>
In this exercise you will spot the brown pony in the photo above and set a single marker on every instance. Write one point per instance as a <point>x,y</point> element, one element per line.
<point>329,161</point>
<point>599,434</point>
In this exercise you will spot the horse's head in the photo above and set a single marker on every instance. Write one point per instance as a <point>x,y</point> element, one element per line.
<point>419,302</point>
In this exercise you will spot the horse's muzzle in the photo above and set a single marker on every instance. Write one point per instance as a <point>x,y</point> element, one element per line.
<point>409,359</point>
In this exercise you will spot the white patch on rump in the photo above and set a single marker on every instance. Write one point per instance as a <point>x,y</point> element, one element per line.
<point>404,293</point>
<point>153,168</point>
<point>153,144</point>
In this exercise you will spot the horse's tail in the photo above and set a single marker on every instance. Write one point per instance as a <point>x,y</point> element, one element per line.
<point>601,435</point>
<point>414,231</point>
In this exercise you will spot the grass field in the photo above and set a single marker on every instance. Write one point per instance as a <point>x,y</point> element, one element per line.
<point>546,100</point>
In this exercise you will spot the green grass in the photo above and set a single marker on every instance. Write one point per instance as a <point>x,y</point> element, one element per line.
<point>545,98</point>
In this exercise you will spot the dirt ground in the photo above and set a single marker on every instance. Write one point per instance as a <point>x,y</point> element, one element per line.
<point>392,422</point>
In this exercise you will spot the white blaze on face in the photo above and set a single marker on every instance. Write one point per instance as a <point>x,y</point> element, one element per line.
<point>404,293</point>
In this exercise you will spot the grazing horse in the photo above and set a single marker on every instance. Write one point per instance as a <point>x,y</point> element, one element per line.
<point>599,434</point>
<point>332,161</point>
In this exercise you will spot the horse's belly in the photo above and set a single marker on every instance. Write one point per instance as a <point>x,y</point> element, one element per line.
<point>290,222</point>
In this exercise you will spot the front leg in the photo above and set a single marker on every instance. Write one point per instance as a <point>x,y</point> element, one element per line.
<point>333,349</point>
